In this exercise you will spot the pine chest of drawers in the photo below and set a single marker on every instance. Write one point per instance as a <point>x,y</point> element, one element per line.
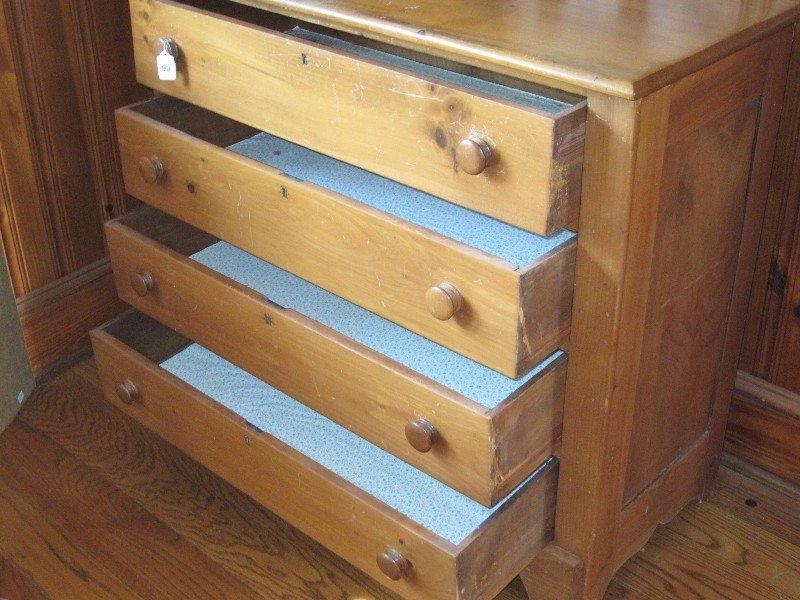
<point>454,288</point>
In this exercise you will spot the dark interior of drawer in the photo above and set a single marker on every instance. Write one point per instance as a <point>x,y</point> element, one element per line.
<point>167,231</point>
<point>148,337</point>
<point>195,121</point>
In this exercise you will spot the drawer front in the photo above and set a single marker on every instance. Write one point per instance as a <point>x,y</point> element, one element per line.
<point>329,509</point>
<point>385,119</point>
<point>477,451</point>
<point>511,317</point>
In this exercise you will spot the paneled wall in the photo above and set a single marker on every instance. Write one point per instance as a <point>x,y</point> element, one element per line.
<point>64,66</point>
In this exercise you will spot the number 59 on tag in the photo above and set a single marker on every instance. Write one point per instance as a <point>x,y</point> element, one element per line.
<point>166,66</point>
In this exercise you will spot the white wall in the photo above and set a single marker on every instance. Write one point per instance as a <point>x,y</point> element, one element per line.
<point>16,378</point>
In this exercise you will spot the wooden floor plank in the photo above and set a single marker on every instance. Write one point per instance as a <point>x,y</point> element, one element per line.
<point>744,544</point>
<point>759,501</point>
<point>33,544</point>
<point>143,552</point>
<point>18,585</point>
<point>743,557</point>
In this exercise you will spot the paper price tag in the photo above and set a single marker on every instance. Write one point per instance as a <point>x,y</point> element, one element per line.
<point>166,66</point>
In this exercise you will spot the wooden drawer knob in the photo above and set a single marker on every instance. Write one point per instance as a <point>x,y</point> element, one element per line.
<point>422,435</point>
<point>142,283</point>
<point>443,300</point>
<point>394,565</point>
<point>127,392</point>
<point>151,169</point>
<point>473,155</point>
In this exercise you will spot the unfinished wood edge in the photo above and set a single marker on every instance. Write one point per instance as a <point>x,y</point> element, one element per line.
<point>526,429</point>
<point>566,168</point>
<point>546,292</point>
<point>554,574</point>
<point>508,539</point>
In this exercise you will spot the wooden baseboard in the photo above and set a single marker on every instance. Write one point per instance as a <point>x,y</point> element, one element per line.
<point>56,318</point>
<point>764,427</point>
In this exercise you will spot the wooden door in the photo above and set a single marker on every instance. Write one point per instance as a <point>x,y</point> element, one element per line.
<point>16,376</point>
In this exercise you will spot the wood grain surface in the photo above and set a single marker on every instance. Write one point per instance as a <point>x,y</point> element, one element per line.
<point>483,453</point>
<point>658,313</point>
<point>512,316</point>
<point>381,118</point>
<point>628,49</point>
<point>764,427</point>
<point>325,506</point>
<point>98,474</point>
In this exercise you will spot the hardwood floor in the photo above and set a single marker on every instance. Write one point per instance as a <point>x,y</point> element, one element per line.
<point>94,506</point>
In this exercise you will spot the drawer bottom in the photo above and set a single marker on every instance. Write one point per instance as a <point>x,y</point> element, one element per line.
<point>363,503</point>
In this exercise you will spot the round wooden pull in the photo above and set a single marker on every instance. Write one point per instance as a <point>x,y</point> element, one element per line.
<point>473,155</point>
<point>394,565</point>
<point>142,283</point>
<point>444,300</point>
<point>422,435</point>
<point>127,392</point>
<point>151,169</point>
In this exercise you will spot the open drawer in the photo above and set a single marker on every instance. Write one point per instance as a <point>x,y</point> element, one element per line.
<point>467,425</point>
<point>495,293</point>
<point>506,152</point>
<point>416,535</point>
